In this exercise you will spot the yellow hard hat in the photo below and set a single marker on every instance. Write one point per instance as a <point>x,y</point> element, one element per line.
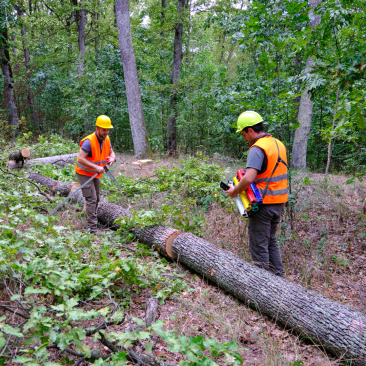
<point>104,122</point>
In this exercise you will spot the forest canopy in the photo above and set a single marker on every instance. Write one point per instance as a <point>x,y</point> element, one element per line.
<point>63,61</point>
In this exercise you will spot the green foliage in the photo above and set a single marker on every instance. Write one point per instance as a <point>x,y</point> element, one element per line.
<point>196,181</point>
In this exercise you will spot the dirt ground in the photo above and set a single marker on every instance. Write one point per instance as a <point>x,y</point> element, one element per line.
<point>322,249</point>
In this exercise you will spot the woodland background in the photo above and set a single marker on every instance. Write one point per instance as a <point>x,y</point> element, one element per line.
<point>70,298</point>
<point>267,56</point>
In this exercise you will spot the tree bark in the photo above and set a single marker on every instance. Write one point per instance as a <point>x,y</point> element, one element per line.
<point>138,128</point>
<point>107,213</point>
<point>177,66</point>
<point>60,160</point>
<point>8,75</point>
<point>80,20</point>
<point>299,149</point>
<point>338,328</point>
<point>330,141</point>
<point>23,32</point>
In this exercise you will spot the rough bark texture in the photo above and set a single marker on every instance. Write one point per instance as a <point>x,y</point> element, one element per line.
<point>8,77</point>
<point>151,313</point>
<point>177,65</point>
<point>107,212</point>
<point>338,328</point>
<point>158,236</point>
<point>60,160</point>
<point>299,149</point>
<point>138,128</point>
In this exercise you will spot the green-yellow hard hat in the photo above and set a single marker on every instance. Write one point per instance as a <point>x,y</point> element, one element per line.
<point>247,119</point>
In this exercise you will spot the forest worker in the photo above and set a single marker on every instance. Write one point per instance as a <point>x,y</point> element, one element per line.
<point>267,167</point>
<point>95,152</point>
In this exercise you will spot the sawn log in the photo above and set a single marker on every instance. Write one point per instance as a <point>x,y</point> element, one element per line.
<point>60,160</point>
<point>336,328</point>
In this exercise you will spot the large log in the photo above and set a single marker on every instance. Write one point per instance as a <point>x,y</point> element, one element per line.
<point>60,160</point>
<point>336,328</point>
<point>107,212</point>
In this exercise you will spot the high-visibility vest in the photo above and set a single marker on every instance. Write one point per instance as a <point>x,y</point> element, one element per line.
<point>275,175</point>
<point>98,157</point>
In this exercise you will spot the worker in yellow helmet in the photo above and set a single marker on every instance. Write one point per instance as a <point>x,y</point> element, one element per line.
<point>267,168</point>
<point>95,152</point>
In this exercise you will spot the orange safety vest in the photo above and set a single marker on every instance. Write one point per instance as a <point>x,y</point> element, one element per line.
<point>98,157</point>
<point>275,176</point>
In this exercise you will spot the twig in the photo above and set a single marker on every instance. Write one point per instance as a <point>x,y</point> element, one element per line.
<point>5,346</point>
<point>42,193</point>
<point>15,312</point>
<point>79,361</point>
<point>141,180</point>
<point>101,326</point>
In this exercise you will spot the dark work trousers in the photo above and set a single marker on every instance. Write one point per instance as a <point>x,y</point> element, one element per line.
<point>91,193</point>
<point>263,244</point>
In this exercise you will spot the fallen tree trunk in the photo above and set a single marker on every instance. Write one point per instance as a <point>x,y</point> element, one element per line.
<point>107,212</point>
<point>60,160</point>
<point>336,328</point>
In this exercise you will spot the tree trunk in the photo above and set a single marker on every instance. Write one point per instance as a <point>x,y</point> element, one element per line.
<point>81,34</point>
<point>177,65</point>
<point>8,75</point>
<point>138,128</point>
<point>338,328</point>
<point>60,160</point>
<point>107,213</point>
<point>299,148</point>
<point>23,32</point>
<point>330,141</point>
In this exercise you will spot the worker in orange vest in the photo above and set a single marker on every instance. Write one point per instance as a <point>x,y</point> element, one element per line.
<point>267,168</point>
<point>95,152</point>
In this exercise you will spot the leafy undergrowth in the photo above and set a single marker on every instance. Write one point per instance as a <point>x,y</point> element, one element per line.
<point>66,283</point>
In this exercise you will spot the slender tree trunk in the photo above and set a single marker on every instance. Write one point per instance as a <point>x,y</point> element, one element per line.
<point>330,141</point>
<point>8,75</point>
<point>138,128</point>
<point>298,161</point>
<point>81,31</point>
<point>164,126</point>
<point>177,65</point>
<point>23,32</point>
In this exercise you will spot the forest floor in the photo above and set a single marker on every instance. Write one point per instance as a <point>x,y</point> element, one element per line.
<point>323,244</point>
<point>322,241</point>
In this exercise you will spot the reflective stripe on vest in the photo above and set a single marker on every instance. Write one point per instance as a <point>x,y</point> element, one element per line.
<point>271,179</point>
<point>277,191</point>
<point>98,156</point>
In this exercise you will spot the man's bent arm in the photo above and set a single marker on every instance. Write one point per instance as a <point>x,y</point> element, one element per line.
<point>244,183</point>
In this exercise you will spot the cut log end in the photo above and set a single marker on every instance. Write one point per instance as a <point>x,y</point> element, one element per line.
<point>169,244</point>
<point>25,152</point>
<point>74,187</point>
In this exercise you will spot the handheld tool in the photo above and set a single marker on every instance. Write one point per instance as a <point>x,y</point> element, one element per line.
<point>113,179</point>
<point>71,195</point>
